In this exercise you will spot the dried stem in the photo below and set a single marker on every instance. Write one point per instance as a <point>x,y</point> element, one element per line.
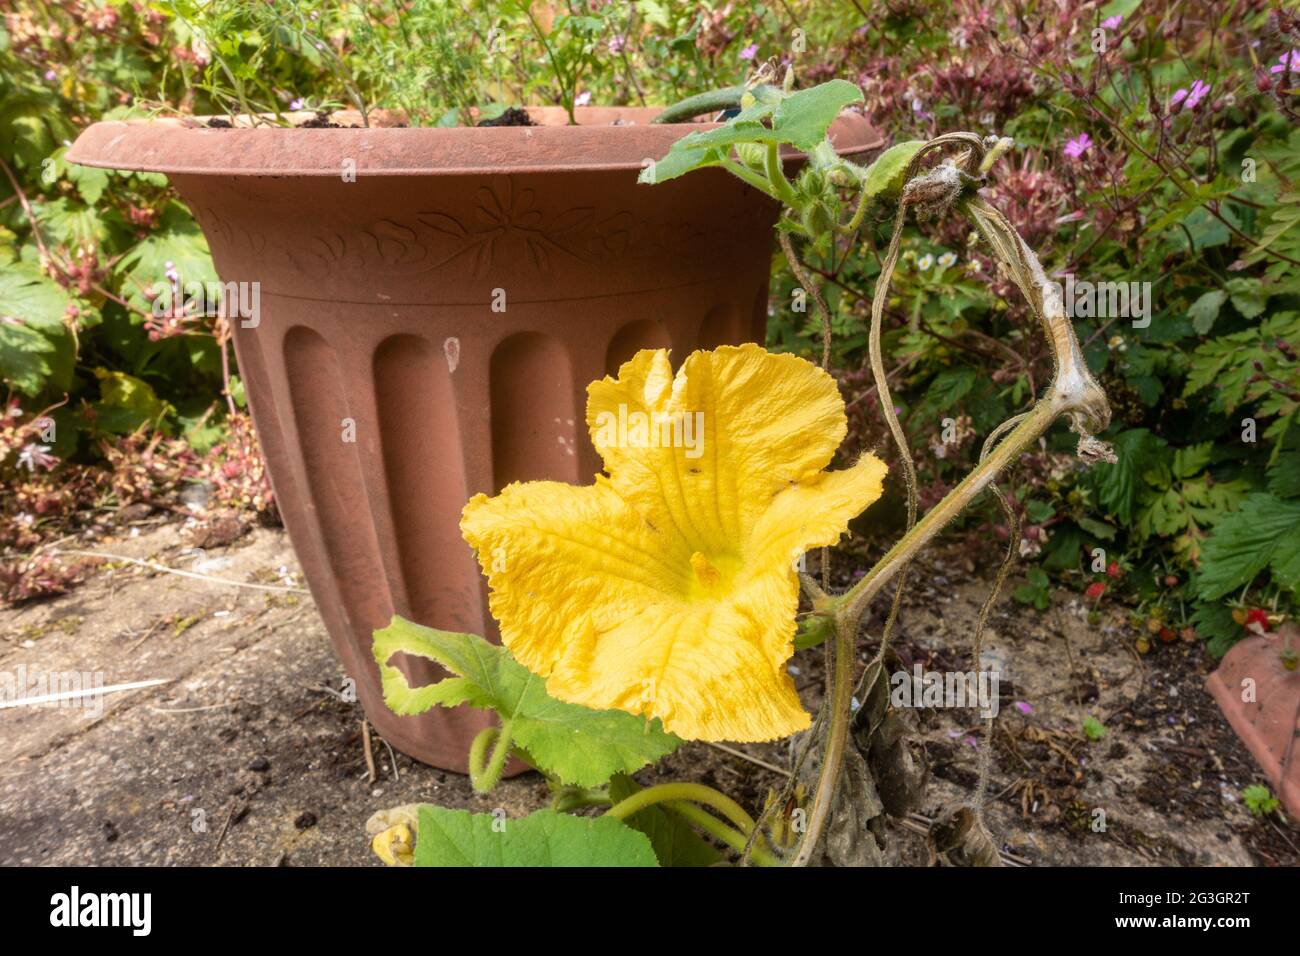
<point>1073,393</point>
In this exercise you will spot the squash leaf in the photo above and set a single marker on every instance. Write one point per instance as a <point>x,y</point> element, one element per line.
<point>542,839</point>
<point>580,746</point>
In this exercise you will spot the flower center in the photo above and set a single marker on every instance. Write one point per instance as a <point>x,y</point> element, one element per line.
<point>705,574</point>
<point>713,574</point>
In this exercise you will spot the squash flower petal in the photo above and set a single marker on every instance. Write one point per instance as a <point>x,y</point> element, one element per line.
<point>668,587</point>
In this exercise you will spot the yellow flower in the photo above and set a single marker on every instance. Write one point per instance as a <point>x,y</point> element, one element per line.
<point>669,587</point>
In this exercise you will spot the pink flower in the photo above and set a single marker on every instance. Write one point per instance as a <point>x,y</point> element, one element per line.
<point>1112,23</point>
<point>1078,146</point>
<point>1188,98</point>
<point>616,44</point>
<point>1199,91</point>
<point>1023,707</point>
<point>1282,65</point>
<point>749,52</point>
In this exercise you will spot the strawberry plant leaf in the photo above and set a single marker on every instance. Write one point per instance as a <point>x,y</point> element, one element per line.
<point>1120,486</point>
<point>1260,534</point>
<point>580,746</point>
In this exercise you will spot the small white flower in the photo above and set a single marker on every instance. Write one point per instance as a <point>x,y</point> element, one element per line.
<point>947,260</point>
<point>36,456</point>
<point>925,262</point>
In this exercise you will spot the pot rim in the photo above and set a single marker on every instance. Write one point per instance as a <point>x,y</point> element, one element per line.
<point>597,144</point>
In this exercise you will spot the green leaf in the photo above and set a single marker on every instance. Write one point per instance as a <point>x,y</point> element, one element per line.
<point>1120,486</point>
<point>884,178</point>
<point>1064,550</point>
<point>73,224</point>
<point>545,838</point>
<point>1192,459</point>
<point>126,403</point>
<point>24,358</point>
<point>1098,529</point>
<point>33,300</point>
<point>674,841</point>
<point>578,745</point>
<point>1205,310</point>
<point>726,136</point>
<point>678,162</point>
<point>32,308</point>
<point>1248,297</point>
<point>1261,534</point>
<point>91,182</point>
<point>1039,511</point>
<point>1093,728</point>
<point>1214,624</point>
<point>802,118</point>
<point>654,13</point>
<point>1284,476</point>
<point>178,241</point>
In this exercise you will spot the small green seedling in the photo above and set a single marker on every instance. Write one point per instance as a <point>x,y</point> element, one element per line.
<point>1093,728</point>
<point>1259,800</point>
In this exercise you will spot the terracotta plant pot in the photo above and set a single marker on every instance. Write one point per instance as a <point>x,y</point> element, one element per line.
<point>1268,719</point>
<point>443,297</point>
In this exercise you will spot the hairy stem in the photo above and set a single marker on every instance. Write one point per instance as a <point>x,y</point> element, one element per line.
<point>715,828</point>
<point>484,769</point>
<point>1073,392</point>
<point>837,736</point>
<point>681,797</point>
<point>697,792</point>
<point>776,175</point>
<point>713,101</point>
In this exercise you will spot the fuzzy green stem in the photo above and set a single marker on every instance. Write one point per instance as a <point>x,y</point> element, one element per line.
<point>854,224</point>
<point>720,831</point>
<point>713,101</point>
<point>746,174</point>
<point>776,175</point>
<point>484,769</point>
<point>853,603</point>
<point>683,795</point>
<point>569,799</point>
<point>697,792</point>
